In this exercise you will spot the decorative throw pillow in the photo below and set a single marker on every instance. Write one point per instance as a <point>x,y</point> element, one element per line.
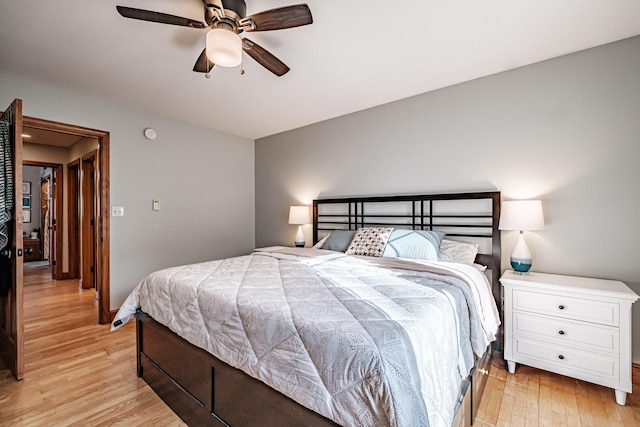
<point>369,241</point>
<point>415,244</point>
<point>462,252</point>
<point>339,240</point>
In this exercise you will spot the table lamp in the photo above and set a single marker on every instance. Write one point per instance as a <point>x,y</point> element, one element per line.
<point>299,215</point>
<point>521,215</point>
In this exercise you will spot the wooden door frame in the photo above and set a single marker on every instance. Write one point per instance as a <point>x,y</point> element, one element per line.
<point>56,270</point>
<point>73,215</point>
<point>103,203</point>
<point>88,221</point>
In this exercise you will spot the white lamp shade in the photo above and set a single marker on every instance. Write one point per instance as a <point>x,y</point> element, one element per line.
<point>299,215</point>
<point>521,215</point>
<point>224,47</point>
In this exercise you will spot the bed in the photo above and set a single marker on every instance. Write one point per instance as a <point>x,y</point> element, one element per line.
<point>328,337</point>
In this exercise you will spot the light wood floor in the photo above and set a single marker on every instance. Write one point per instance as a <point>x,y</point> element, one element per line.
<point>79,373</point>
<point>532,397</point>
<point>76,371</point>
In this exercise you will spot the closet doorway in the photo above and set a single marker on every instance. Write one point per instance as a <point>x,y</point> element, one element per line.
<point>74,146</point>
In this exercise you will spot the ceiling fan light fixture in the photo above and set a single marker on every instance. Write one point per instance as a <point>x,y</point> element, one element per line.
<point>224,47</point>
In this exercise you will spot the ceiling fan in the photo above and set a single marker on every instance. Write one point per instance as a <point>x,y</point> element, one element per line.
<point>226,19</point>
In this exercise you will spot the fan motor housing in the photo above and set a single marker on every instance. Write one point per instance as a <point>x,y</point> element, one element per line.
<point>237,6</point>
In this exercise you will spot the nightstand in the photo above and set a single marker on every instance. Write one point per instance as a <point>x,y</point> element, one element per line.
<point>573,326</point>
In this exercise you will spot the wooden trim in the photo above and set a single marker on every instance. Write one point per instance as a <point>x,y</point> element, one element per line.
<point>103,220</point>
<point>88,221</point>
<point>104,233</point>
<point>73,237</point>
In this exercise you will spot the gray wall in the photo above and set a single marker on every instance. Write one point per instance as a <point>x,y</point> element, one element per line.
<point>203,178</point>
<point>566,131</point>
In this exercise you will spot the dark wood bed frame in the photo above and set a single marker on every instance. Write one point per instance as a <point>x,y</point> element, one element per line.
<point>203,390</point>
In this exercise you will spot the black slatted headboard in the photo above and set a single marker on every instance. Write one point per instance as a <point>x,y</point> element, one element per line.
<point>462,216</point>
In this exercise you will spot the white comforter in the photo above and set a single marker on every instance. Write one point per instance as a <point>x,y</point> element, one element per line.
<point>362,341</point>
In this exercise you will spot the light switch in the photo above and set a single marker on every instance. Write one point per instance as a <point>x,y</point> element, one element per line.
<point>117,210</point>
<point>156,204</point>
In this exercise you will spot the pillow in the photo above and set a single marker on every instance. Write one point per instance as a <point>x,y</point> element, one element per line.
<point>339,240</point>
<point>416,244</point>
<point>480,267</point>
<point>462,252</point>
<point>369,241</point>
<point>321,242</point>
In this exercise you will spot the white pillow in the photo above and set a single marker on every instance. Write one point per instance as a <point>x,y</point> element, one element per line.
<point>321,242</point>
<point>462,252</point>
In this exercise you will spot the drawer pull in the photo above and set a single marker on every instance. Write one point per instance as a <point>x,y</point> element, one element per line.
<point>561,332</point>
<point>561,357</point>
<point>561,307</point>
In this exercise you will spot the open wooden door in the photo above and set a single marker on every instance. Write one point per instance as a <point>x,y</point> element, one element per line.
<point>11,292</point>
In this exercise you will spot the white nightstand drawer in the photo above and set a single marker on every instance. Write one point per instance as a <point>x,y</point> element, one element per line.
<point>567,332</point>
<point>567,307</point>
<point>566,361</point>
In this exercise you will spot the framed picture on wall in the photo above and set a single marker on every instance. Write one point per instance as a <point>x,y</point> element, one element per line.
<point>26,187</point>
<point>26,202</point>
<point>26,216</point>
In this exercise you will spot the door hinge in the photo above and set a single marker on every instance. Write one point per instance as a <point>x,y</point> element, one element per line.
<point>92,269</point>
<point>54,262</point>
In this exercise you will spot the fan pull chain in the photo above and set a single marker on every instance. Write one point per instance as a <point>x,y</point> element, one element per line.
<point>207,74</point>
<point>242,65</point>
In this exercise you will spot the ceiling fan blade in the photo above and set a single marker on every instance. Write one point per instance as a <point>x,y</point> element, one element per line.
<point>203,64</point>
<point>264,58</point>
<point>163,18</point>
<point>280,18</point>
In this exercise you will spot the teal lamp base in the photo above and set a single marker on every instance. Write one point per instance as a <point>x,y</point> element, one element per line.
<point>521,256</point>
<point>520,265</point>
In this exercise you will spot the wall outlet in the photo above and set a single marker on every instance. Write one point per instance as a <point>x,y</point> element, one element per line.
<point>156,204</point>
<point>117,210</point>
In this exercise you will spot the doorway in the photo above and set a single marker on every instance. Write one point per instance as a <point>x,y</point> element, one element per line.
<point>41,230</point>
<point>100,202</point>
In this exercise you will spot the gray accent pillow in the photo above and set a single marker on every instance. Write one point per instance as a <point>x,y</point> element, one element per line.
<point>339,240</point>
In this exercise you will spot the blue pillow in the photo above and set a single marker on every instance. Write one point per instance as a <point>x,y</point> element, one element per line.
<point>339,240</point>
<point>416,244</point>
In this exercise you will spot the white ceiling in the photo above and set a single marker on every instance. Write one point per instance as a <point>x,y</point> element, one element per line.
<point>357,54</point>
